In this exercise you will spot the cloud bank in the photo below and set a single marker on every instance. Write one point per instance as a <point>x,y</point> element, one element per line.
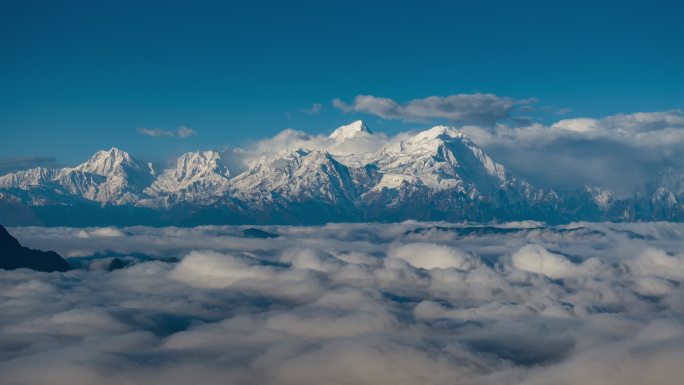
<point>621,152</point>
<point>401,303</point>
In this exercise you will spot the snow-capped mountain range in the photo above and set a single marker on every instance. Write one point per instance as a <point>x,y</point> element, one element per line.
<point>436,174</point>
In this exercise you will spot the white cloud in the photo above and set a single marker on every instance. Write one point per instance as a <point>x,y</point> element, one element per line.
<point>100,232</point>
<point>184,132</point>
<point>462,108</point>
<point>642,129</point>
<point>181,133</point>
<point>434,256</point>
<point>350,304</point>
<point>215,270</point>
<point>537,259</point>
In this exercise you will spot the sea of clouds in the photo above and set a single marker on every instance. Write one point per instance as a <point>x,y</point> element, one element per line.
<point>409,303</point>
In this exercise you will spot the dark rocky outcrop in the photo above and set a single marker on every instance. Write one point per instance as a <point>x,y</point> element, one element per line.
<point>116,264</point>
<point>15,256</point>
<point>258,233</point>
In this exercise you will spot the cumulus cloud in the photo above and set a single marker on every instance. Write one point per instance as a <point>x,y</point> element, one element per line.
<point>181,132</point>
<point>537,259</point>
<point>350,304</point>
<point>433,256</point>
<point>476,108</point>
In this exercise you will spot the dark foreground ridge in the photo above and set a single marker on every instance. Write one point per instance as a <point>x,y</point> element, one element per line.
<point>15,256</point>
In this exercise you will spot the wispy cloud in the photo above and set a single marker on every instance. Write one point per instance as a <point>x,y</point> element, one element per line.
<point>181,133</point>
<point>314,109</point>
<point>460,108</point>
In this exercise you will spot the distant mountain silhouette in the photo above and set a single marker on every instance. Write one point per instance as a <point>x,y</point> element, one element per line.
<point>116,264</point>
<point>14,256</point>
<point>258,233</point>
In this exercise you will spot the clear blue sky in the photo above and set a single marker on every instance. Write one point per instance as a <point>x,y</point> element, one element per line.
<point>77,76</point>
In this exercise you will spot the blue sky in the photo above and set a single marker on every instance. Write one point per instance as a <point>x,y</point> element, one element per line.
<point>77,76</point>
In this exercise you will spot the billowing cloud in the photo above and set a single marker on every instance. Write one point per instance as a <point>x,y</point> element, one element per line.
<point>350,304</point>
<point>476,108</point>
<point>181,132</point>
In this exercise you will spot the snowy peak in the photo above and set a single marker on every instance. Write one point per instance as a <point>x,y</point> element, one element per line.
<point>296,175</point>
<point>112,161</point>
<point>109,177</point>
<point>200,164</point>
<point>444,133</point>
<point>439,158</point>
<point>26,178</point>
<point>352,130</point>
<point>196,175</point>
<point>124,180</point>
<point>426,142</point>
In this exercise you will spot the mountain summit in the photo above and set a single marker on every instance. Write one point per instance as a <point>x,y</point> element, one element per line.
<point>352,130</point>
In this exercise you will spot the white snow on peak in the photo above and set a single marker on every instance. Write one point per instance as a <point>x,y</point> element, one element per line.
<point>355,129</point>
<point>199,164</point>
<point>438,132</point>
<point>109,177</point>
<point>295,174</point>
<point>106,162</point>
<point>441,158</point>
<point>196,175</point>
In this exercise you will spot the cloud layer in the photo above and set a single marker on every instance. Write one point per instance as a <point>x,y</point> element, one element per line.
<point>350,304</point>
